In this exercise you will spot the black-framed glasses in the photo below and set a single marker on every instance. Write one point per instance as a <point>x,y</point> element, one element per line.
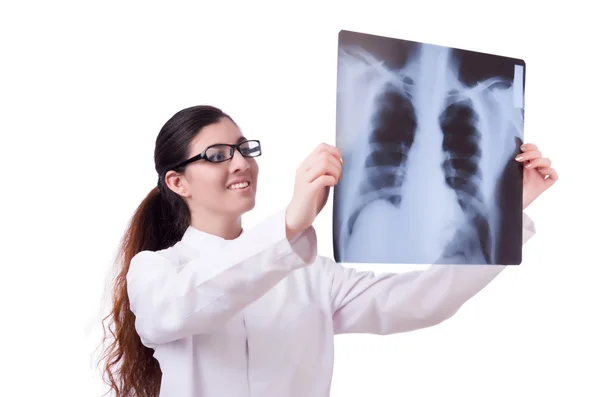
<point>221,152</point>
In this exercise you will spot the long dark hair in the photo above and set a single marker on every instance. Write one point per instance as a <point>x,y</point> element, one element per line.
<point>161,219</point>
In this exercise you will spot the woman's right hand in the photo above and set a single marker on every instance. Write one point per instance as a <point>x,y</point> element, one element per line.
<point>316,175</point>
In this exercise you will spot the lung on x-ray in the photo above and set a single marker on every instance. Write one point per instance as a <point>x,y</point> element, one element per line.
<point>429,136</point>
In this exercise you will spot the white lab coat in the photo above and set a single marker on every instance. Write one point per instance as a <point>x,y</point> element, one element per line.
<point>256,316</point>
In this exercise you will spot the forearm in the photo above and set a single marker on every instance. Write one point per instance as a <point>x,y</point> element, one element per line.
<point>390,303</point>
<point>207,292</point>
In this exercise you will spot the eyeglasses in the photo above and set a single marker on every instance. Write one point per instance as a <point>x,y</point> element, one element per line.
<point>221,152</point>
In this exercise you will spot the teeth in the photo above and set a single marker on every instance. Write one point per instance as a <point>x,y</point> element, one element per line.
<point>238,185</point>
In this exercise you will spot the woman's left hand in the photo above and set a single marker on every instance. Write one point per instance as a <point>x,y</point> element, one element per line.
<point>538,174</point>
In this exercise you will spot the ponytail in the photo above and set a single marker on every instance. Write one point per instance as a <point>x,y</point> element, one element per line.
<point>130,368</point>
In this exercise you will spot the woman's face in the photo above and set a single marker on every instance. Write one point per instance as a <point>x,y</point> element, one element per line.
<point>225,189</point>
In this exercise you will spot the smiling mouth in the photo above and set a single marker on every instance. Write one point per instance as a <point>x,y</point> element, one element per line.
<point>239,186</point>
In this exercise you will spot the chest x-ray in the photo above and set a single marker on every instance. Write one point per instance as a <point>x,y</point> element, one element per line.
<point>428,135</point>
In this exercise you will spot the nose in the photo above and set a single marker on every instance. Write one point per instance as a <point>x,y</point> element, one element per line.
<point>238,162</point>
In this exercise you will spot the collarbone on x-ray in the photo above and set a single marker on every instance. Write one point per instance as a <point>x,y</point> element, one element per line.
<point>429,172</point>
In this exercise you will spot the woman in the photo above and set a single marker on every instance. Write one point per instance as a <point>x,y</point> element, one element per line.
<point>202,308</point>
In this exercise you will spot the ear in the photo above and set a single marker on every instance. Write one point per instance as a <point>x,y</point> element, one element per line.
<point>177,183</point>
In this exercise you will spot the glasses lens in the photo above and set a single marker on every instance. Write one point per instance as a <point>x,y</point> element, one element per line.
<point>218,153</point>
<point>250,149</point>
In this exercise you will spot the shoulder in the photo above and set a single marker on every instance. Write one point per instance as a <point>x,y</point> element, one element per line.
<point>165,259</point>
<point>172,254</point>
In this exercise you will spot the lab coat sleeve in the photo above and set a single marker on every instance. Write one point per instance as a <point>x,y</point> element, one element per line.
<point>363,302</point>
<point>171,301</point>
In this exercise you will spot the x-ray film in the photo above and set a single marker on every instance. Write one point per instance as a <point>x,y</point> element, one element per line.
<point>429,136</point>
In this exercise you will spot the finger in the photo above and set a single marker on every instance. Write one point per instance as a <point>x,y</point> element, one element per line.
<point>530,155</point>
<point>539,163</point>
<point>322,168</point>
<point>527,147</point>
<point>322,157</point>
<point>337,165</point>
<point>325,149</point>
<point>549,173</point>
<point>324,181</point>
<point>325,165</point>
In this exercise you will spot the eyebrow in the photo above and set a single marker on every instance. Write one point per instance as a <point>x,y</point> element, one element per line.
<point>240,140</point>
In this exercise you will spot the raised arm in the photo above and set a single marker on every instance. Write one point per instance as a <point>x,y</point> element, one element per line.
<point>391,303</point>
<point>171,301</point>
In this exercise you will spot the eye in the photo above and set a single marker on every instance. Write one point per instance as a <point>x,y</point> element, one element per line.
<point>250,149</point>
<point>216,156</point>
<point>218,153</point>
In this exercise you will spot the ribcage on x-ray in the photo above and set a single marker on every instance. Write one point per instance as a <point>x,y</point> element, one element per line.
<point>430,134</point>
<point>394,123</point>
<point>394,127</point>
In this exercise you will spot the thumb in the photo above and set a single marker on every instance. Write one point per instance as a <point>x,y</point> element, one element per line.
<point>322,182</point>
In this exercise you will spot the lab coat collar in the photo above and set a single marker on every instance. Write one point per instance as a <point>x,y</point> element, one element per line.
<point>196,238</point>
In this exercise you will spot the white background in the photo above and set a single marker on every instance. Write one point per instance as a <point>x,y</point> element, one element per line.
<point>86,86</point>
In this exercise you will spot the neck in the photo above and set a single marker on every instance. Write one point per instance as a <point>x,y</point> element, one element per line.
<point>220,225</point>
